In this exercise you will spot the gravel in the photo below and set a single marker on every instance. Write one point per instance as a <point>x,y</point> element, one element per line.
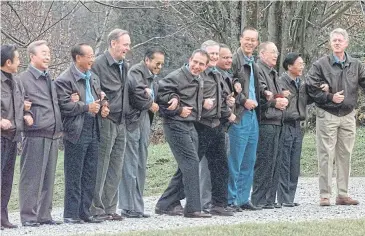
<point>307,196</point>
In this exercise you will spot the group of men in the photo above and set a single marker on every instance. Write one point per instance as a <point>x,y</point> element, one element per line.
<point>231,122</point>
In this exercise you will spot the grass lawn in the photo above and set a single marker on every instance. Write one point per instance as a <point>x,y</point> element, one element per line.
<point>161,166</point>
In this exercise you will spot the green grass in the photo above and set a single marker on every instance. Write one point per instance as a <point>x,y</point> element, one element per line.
<point>309,228</point>
<point>161,166</point>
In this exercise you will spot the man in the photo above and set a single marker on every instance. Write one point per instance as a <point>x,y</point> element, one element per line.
<point>243,135</point>
<point>335,123</point>
<point>211,133</point>
<point>182,93</point>
<point>14,113</point>
<point>142,98</point>
<point>40,143</point>
<point>81,133</point>
<point>266,175</point>
<point>112,68</point>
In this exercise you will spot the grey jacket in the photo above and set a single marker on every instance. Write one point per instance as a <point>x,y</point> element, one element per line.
<point>41,91</point>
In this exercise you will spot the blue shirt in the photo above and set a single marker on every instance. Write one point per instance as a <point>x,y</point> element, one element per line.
<point>88,94</point>
<point>251,91</point>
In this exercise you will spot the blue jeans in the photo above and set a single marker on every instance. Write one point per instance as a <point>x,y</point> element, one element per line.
<point>243,138</point>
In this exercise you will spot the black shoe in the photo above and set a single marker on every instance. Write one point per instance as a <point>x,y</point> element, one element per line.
<point>288,205</point>
<point>277,205</point>
<point>268,206</point>
<point>92,219</point>
<point>73,221</point>
<point>51,222</point>
<point>175,211</point>
<point>30,224</point>
<point>144,215</point>
<point>250,207</point>
<point>296,204</point>
<point>235,208</point>
<point>7,225</point>
<point>197,214</point>
<point>103,217</point>
<point>131,214</point>
<point>221,211</point>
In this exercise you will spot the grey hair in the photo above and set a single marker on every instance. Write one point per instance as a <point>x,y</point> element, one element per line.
<point>115,34</point>
<point>263,46</point>
<point>31,48</point>
<point>208,43</point>
<point>341,31</point>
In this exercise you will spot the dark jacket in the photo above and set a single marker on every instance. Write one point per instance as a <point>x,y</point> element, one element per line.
<point>214,88</point>
<point>346,77</point>
<point>242,70</point>
<point>12,105</point>
<point>73,113</point>
<point>298,99</point>
<point>41,91</point>
<point>139,78</point>
<point>188,89</point>
<point>113,84</point>
<point>268,78</point>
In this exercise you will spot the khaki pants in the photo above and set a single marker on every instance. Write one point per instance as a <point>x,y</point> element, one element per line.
<point>335,141</point>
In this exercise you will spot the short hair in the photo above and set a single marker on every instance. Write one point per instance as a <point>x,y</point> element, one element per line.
<point>247,28</point>
<point>263,46</point>
<point>341,31</point>
<point>222,45</point>
<point>290,59</point>
<point>7,53</point>
<point>115,34</point>
<point>77,50</point>
<point>208,43</point>
<point>150,53</point>
<point>202,52</point>
<point>31,48</point>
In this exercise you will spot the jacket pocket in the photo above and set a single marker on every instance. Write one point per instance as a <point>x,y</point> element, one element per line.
<point>320,112</point>
<point>272,114</point>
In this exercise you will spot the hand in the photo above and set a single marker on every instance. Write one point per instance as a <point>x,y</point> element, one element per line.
<point>268,95</point>
<point>286,93</point>
<point>154,107</point>
<point>94,107</point>
<point>338,97</point>
<point>232,118</point>
<point>237,87</point>
<point>208,103</point>
<point>102,95</point>
<point>186,111</point>
<point>104,111</point>
<point>28,119</point>
<point>27,105</point>
<point>324,87</point>
<point>148,91</point>
<point>281,103</point>
<point>173,104</point>
<point>250,104</point>
<point>5,124</point>
<point>230,100</point>
<point>75,97</point>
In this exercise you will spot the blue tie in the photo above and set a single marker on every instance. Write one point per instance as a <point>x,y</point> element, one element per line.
<point>251,93</point>
<point>89,97</point>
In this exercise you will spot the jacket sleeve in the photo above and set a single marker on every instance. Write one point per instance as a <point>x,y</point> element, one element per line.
<point>314,78</point>
<point>225,111</point>
<point>167,89</point>
<point>362,75</point>
<point>138,97</point>
<point>67,107</point>
<point>264,103</point>
<point>240,98</point>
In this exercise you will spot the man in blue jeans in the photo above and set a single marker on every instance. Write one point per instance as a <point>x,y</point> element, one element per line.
<point>243,135</point>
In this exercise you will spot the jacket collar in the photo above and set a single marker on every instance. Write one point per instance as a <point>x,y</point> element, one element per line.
<point>188,74</point>
<point>37,73</point>
<point>242,57</point>
<point>348,59</point>
<point>146,73</point>
<point>264,66</point>
<point>4,77</point>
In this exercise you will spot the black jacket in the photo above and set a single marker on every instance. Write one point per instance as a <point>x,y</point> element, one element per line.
<point>12,105</point>
<point>242,71</point>
<point>139,78</point>
<point>41,91</point>
<point>188,89</point>
<point>346,77</point>
<point>73,113</point>
<point>269,80</point>
<point>113,84</point>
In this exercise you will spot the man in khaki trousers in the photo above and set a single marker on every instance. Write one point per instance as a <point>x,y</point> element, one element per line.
<point>335,123</point>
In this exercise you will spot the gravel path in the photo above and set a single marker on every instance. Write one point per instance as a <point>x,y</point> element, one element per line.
<point>308,210</point>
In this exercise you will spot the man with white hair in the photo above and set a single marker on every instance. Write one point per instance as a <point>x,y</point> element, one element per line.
<point>335,122</point>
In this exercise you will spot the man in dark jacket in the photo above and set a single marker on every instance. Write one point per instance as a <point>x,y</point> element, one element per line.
<point>243,135</point>
<point>40,143</point>
<point>111,67</point>
<point>268,161</point>
<point>335,124</point>
<point>142,102</point>
<point>14,113</point>
<point>81,133</point>
<point>182,93</point>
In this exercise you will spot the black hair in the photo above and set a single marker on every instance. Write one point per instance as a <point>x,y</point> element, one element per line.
<point>77,50</point>
<point>7,53</point>
<point>150,53</point>
<point>290,59</point>
<point>202,52</point>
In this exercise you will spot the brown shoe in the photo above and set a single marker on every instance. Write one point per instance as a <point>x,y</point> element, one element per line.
<point>325,202</point>
<point>346,201</point>
<point>116,217</point>
<point>197,214</point>
<point>6,224</point>
<point>175,211</point>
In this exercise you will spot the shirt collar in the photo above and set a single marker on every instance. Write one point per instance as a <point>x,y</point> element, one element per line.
<point>188,74</point>
<point>37,73</point>
<point>245,59</point>
<point>80,75</point>
<point>111,60</point>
